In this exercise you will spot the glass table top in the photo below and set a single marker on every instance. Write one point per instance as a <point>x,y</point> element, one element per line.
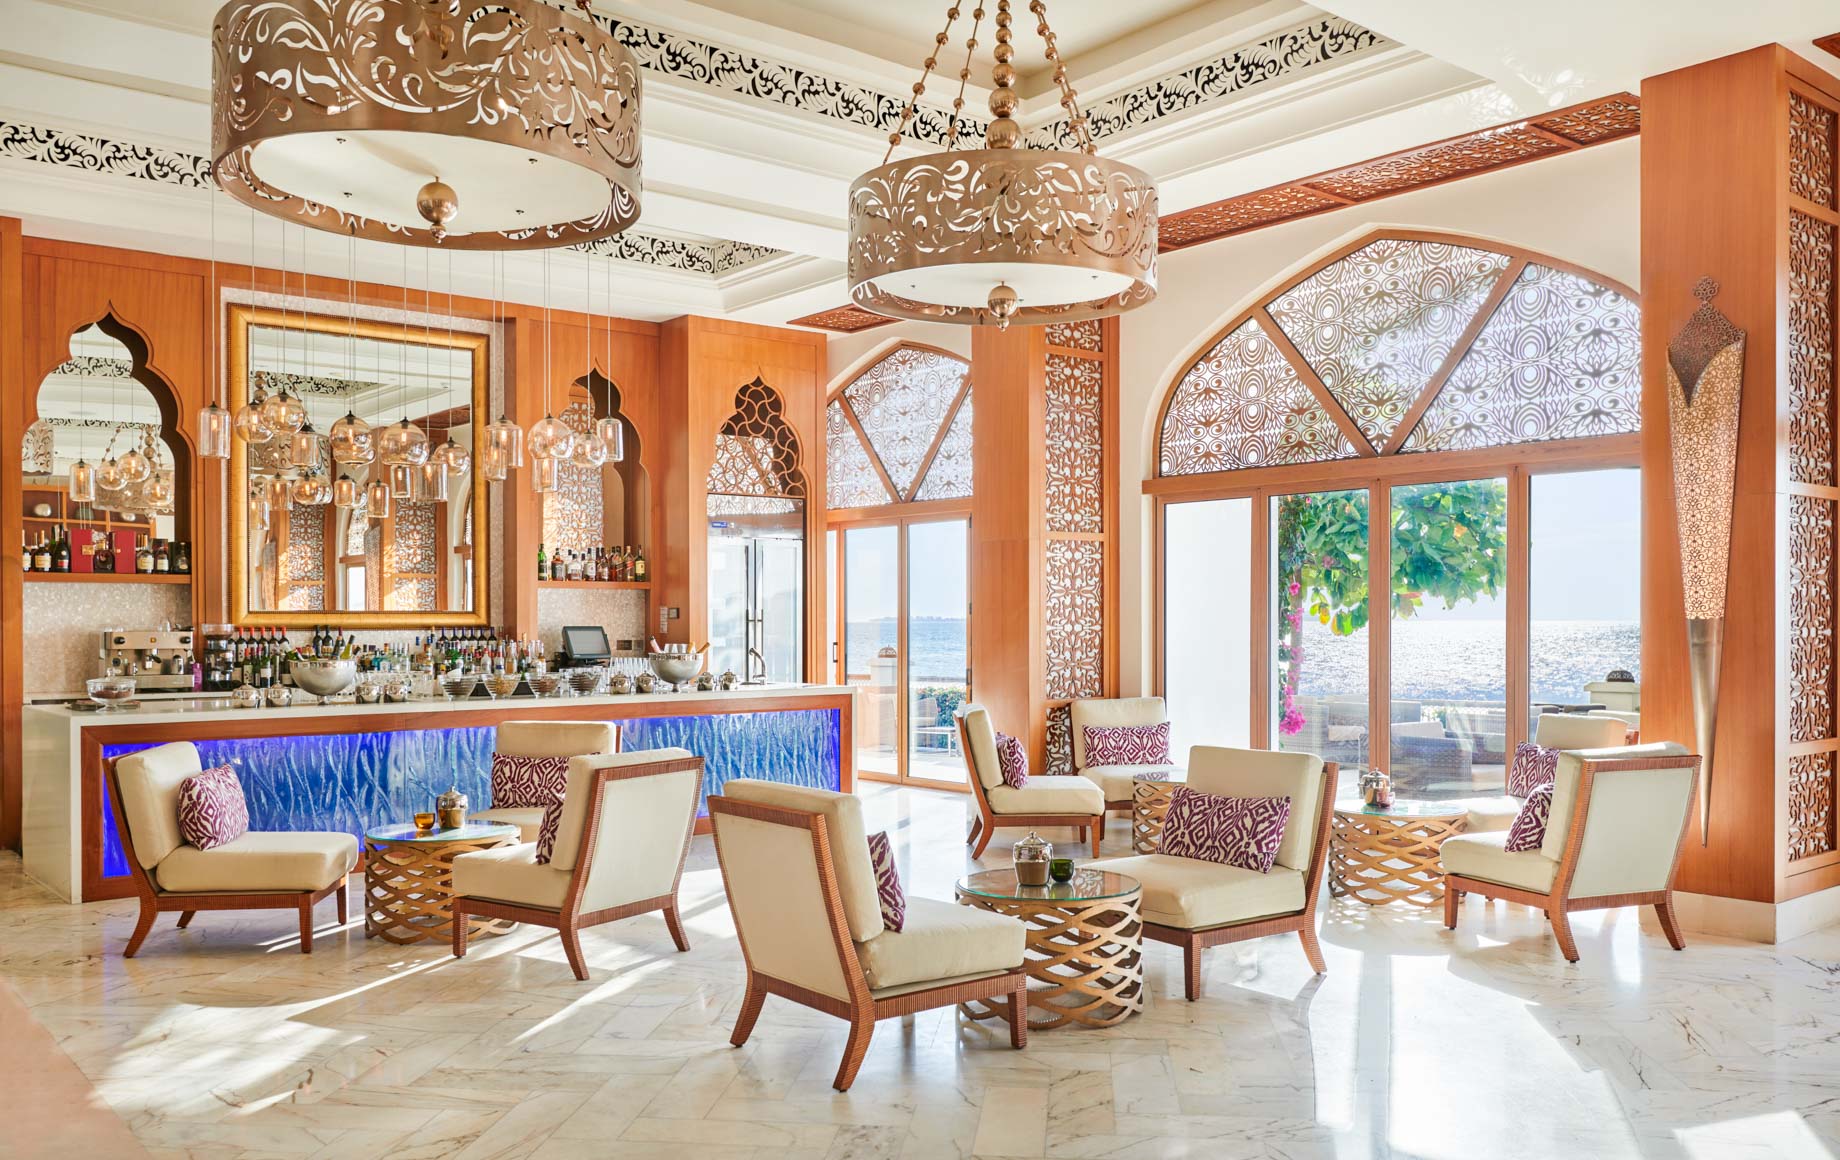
<point>1406,808</point>
<point>471,832</point>
<point>1086,885</point>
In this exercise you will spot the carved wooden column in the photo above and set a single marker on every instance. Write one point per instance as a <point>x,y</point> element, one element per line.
<point>1739,184</point>
<point>1044,561</point>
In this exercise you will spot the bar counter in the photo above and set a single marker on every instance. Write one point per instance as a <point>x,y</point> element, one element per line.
<point>348,767</point>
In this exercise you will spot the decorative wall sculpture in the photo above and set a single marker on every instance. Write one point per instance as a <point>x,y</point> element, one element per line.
<point>1074,517</point>
<point>757,451</point>
<point>900,431</point>
<point>1705,369</point>
<point>1373,330</point>
<point>1075,485</point>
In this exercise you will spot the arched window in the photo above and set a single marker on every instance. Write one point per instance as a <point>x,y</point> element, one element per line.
<point>901,431</point>
<point>1362,554</point>
<point>1410,344</point>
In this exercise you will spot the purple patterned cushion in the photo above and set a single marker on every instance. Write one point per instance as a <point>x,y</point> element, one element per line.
<point>546,833</point>
<point>527,782</point>
<point>887,882</point>
<point>211,808</point>
<point>1529,828</point>
<point>1127,744</point>
<point>1012,761</point>
<point>1235,831</point>
<point>1534,766</point>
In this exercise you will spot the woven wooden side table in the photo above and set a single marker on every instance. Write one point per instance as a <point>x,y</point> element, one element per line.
<point>409,880</point>
<point>1084,953</point>
<point>1381,855</point>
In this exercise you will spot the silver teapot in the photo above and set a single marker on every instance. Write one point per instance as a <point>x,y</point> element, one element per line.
<point>246,697</point>
<point>729,679</point>
<point>280,696</point>
<point>620,683</point>
<point>451,807</point>
<point>645,682</point>
<point>705,681</point>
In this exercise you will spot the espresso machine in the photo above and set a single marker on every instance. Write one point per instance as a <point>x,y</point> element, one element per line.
<point>157,658</point>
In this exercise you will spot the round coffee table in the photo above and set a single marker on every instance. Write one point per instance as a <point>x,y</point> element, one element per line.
<point>1387,854</point>
<point>1085,945</point>
<point>409,880</point>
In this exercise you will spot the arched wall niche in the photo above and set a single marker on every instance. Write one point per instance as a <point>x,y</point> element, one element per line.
<point>757,450</point>
<point>606,506</point>
<point>98,401</point>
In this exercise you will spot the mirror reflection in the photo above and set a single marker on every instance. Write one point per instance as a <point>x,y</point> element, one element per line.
<point>102,486</point>
<point>361,498</point>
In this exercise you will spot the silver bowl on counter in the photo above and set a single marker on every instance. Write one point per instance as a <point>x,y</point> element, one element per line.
<point>278,696</point>
<point>677,668</point>
<point>324,678</point>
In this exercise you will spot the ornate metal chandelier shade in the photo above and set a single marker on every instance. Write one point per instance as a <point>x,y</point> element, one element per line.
<point>1004,233</point>
<point>509,125</point>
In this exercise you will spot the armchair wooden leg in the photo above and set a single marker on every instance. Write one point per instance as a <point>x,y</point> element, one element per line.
<point>460,929</point>
<point>862,1028</point>
<point>142,925</point>
<point>571,945</point>
<point>676,925</point>
<point>983,839</point>
<point>1191,969</point>
<point>1562,930</point>
<point>306,926</point>
<point>1670,926</point>
<point>1019,1013</point>
<point>977,827</point>
<point>185,918</point>
<point>751,1003</point>
<point>344,906</point>
<point>1452,897</point>
<point>1312,950</point>
<point>1098,833</point>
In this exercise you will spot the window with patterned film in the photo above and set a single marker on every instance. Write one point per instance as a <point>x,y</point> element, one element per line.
<point>901,431</point>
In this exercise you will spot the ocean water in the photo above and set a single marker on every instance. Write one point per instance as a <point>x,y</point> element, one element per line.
<point>1432,659</point>
<point>1467,659</point>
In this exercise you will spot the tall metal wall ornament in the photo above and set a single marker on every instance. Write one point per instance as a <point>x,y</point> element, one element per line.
<point>1705,374</point>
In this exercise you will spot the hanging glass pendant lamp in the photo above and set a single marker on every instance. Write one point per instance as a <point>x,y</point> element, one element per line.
<point>377,498</point>
<point>213,420</point>
<point>303,447</point>
<point>82,482</point>
<point>350,439</point>
<point>345,491</point>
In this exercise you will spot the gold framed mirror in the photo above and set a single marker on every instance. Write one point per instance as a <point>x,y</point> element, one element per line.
<point>298,560</point>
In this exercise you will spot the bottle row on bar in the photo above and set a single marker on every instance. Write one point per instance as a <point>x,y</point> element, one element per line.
<point>622,565</point>
<point>121,553</point>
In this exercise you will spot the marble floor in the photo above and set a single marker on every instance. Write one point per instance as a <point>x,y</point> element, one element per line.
<point>223,1042</point>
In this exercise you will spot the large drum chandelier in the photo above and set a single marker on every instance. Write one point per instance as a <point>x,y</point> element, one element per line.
<point>479,124</point>
<point>1004,233</point>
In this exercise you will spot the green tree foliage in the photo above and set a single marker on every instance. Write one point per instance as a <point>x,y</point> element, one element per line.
<point>1449,544</point>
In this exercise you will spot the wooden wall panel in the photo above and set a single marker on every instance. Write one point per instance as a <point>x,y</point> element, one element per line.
<point>12,517</point>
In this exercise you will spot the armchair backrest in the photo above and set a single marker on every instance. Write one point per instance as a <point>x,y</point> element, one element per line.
<point>978,738</point>
<point>1110,712</point>
<point>1272,773</point>
<point>148,785</point>
<point>632,827</point>
<point>556,738</point>
<point>779,869</point>
<point>1577,731</point>
<point>848,841</point>
<point>1619,816</point>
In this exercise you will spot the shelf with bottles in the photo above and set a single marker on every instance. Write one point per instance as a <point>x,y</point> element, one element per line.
<point>103,578</point>
<point>89,554</point>
<point>624,566</point>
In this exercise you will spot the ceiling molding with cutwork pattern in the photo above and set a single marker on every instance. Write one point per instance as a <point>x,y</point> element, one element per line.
<point>93,154</point>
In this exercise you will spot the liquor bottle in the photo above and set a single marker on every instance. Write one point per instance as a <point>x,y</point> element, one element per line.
<point>574,566</point>
<point>542,562</point>
<point>639,566</point>
<point>162,557</point>
<point>41,555</point>
<point>143,557</point>
<point>182,560</point>
<point>623,572</point>
<point>557,569</point>
<point>60,559</point>
<point>103,561</point>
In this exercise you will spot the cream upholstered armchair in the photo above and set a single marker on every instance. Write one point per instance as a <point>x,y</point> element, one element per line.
<point>262,870</point>
<point>1613,838</point>
<point>1195,904</point>
<point>803,890</point>
<point>620,845</point>
<point>1555,731</point>
<point>1116,781</point>
<point>1044,801</point>
<point>546,739</point>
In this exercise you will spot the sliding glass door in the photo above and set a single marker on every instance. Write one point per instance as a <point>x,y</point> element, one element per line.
<point>905,614</point>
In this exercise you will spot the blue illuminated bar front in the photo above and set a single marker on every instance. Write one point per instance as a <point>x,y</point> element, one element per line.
<point>355,781</point>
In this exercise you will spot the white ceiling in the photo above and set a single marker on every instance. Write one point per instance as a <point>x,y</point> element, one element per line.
<point>1216,98</point>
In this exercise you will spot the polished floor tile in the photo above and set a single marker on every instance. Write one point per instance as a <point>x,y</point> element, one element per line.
<point>222,1041</point>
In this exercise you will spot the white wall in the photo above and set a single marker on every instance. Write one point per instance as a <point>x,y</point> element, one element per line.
<point>1583,207</point>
